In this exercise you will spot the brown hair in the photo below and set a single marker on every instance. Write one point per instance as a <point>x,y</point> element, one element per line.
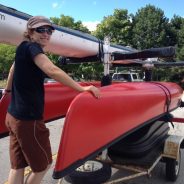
<point>26,34</point>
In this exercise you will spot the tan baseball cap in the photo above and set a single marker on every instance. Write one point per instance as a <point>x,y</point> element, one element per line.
<point>38,21</point>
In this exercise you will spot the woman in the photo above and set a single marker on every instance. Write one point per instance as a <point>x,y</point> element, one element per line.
<point>29,137</point>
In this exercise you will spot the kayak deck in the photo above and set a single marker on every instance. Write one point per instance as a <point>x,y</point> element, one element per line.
<point>92,125</point>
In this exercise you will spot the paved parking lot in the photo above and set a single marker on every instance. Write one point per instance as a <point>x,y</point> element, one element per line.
<point>158,174</point>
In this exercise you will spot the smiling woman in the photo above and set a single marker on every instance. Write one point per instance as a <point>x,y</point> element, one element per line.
<point>24,118</point>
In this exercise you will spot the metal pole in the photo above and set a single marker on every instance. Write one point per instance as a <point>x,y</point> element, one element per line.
<point>106,80</point>
<point>106,55</point>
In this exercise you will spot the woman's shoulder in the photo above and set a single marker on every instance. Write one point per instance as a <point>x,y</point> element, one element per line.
<point>28,43</point>
<point>30,46</point>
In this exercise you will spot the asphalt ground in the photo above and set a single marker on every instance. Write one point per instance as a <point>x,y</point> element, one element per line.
<point>157,175</point>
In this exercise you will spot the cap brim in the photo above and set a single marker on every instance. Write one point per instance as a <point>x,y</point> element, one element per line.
<point>42,24</point>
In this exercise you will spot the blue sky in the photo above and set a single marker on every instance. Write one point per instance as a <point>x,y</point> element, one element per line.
<point>91,11</point>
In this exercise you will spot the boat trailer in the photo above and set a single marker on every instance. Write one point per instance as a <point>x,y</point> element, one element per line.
<point>171,157</point>
<point>169,153</point>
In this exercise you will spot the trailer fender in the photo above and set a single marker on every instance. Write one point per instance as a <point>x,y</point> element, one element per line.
<point>172,146</point>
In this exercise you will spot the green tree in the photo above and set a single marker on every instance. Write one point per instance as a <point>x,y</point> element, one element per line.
<point>7,56</point>
<point>67,21</point>
<point>177,22</point>
<point>175,25</point>
<point>180,48</point>
<point>150,27</point>
<point>91,71</point>
<point>117,26</point>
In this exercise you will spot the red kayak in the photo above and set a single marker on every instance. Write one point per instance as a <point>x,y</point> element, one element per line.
<point>57,100</point>
<point>91,124</point>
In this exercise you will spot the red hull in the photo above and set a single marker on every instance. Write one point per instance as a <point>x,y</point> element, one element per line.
<point>93,124</point>
<point>57,100</point>
<point>3,108</point>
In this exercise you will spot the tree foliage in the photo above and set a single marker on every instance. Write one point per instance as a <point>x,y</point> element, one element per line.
<point>67,21</point>
<point>7,55</point>
<point>117,26</point>
<point>180,50</point>
<point>150,28</point>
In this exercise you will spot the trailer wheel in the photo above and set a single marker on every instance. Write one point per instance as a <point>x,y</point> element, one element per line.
<point>92,172</point>
<point>173,168</point>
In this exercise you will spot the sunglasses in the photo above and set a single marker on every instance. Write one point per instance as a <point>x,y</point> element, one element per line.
<point>44,30</point>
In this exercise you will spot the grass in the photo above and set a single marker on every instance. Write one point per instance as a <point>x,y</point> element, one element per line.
<point>2,83</point>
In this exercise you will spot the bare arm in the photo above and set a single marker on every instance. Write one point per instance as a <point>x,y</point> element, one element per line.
<point>10,79</point>
<point>43,62</point>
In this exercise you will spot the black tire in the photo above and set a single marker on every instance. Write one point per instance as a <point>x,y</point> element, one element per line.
<point>99,175</point>
<point>141,142</point>
<point>173,168</point>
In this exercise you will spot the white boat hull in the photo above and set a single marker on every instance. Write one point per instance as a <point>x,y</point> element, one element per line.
<point>64,42</point>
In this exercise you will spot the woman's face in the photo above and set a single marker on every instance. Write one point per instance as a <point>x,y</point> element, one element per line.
<point>41,35</point>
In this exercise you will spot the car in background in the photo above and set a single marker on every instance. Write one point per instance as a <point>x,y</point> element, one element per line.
<point>126,77</point>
